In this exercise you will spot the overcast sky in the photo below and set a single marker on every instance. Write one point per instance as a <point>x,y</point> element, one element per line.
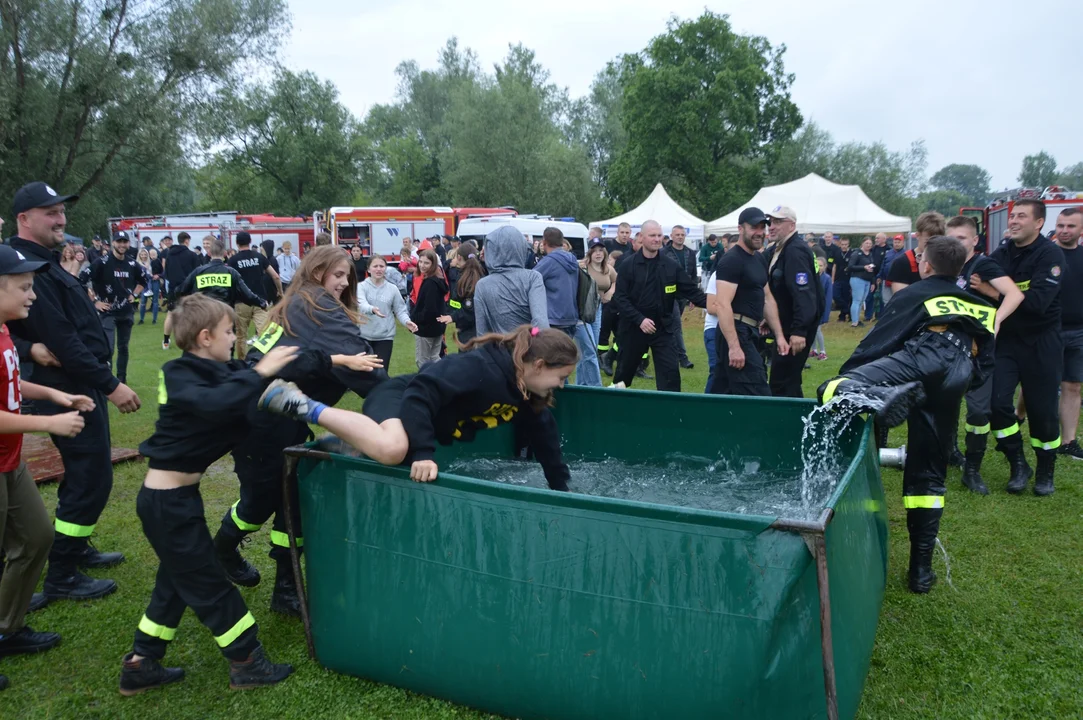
<point>984,87</point>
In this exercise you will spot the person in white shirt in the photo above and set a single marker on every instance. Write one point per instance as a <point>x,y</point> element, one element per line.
<point>287,265</point>
<point>710,322</point>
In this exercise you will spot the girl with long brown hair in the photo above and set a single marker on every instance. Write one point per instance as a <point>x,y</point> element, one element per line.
<point>504,378</point>
<point>466,270</point>
<point>428,309</point>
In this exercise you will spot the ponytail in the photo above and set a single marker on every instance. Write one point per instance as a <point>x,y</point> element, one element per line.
<point>471,270</point>
<point>527,345</point>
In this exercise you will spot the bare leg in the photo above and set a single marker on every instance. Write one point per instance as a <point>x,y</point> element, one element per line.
<point>385,443</point>
<point>1021,407</point>
<point>1069,411</point>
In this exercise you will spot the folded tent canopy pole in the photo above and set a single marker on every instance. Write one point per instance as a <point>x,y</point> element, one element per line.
<point>812,532</point>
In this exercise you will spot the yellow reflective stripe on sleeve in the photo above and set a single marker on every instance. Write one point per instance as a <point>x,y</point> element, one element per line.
<point>603,348</point>
<point>1023,286</point>
<point>281,539</point>
<point>241,524</point>
<point>946,305</point>
<point>214,280</point>
<point>1012,429</point>
<point>163,396</point>
<point>268,338</point>
<point>234,632</point>
<point>979,429</point>
<point>73,530</point>
<point>923,502</point>
<point>829,391</point>
<point>1039,445</point>
<point>455,304</point>
<point>149,627</point>
<point>670,289</point>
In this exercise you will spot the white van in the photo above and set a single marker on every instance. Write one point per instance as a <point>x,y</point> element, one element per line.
<point>529,225</point>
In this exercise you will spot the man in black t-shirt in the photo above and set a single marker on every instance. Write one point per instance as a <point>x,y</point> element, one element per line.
<point>985,279</point>
<point>116,281</point>
<point>254,269</point>
<point>1069,229</point>
<point>744,302</point>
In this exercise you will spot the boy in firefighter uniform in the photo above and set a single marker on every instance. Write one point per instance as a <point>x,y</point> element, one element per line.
<point>934,341</point>
<point>1029,352</point>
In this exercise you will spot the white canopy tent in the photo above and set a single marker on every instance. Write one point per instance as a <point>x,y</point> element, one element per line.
<point>821,205</point>
<point>660,207</point>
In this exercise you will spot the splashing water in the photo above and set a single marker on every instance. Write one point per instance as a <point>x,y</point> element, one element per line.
<point>820,452</point>
<point>947,563</point>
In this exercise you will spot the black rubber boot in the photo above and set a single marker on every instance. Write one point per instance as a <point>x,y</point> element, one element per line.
<point>972,478</point>
<point>226,542</point>
<point>256,671</point>
<point>892,404</point>
<point>92,558</point>
<point>609,358</point>
<point>1020,471</point>
<point>1043,480</point>
<point>923,525</point>
<point>284,599</point>
<point>956,458</point>
<point>138,676</point>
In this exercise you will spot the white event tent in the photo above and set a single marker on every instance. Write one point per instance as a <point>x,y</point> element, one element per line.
<point>660,207</point>
<point>821,205</point>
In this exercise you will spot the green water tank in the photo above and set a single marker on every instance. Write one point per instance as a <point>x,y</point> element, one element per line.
<point>536,604</point>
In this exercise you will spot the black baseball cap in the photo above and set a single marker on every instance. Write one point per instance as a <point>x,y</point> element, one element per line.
<point>121,237</point>
<point>12,262</point>
<point>595,242</point>
<point>38,195</point>
<point>753,216</point>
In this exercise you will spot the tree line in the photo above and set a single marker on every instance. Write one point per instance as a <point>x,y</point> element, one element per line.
<point>145,108</point>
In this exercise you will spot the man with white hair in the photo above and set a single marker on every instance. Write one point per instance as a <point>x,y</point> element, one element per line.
<point>649,286</point>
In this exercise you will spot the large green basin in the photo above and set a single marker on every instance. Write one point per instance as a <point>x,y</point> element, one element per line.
<point>537,604</point>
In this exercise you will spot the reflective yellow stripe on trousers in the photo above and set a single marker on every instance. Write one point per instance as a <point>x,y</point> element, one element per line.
<point>73,530</point>
<point>829,391</point>
<point>1039,445</point>
<point>149,627</point>
<point>1012,429</point>
<point>923,502</point>
<point>979,429</point>
<point>234,632</point>
<point>281,539</point>
<point>241,524</point>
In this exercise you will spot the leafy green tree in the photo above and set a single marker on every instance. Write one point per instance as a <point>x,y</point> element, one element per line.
<point>706,110</point>
<point>970,181</point>
<point>1038,170</point>
<point>945,202</point>
<point>88,87</point>
<point>291,147</point>
<point>1072,177</point>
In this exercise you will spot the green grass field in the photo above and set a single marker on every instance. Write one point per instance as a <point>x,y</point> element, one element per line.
<point>1006,642</point>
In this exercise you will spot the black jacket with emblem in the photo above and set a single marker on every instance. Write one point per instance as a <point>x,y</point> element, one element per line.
<point>795,285</point>
<point>1036,269</point>
<point>936,300</point>
<point>648,287</point>
<point>221,282</point>
<point>467,392</point>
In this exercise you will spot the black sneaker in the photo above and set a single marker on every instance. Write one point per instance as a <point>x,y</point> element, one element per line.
<point>256,671</point>
<point>78,587</point>
<point>38,601</point>
<point>1071,450</point>
<point>238,570</point>
<point>687,364</point>
<point>137,676</point>
<point>95,559</point>
<point>26,641</point>
<point>641,373</point>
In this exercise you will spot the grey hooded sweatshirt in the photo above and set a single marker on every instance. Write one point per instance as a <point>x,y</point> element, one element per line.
<point>510,295</point>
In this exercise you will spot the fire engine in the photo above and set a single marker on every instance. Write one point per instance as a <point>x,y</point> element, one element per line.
<point>993,219</point>
<point>297,230</point>
<point>380,230</point>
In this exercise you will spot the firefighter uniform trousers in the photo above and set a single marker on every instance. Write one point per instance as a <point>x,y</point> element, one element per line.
<point>259,462</point>
<point>749,380</point>
<point>634,344</point>
<point>979,403</point>
<point>88,480</point>
<point>188,576</point>
<point>1036,363</point>
<point>942,363</point>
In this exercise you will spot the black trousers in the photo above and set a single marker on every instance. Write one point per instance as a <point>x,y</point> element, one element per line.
<point>663,346</point>
<point>88,480</point>
<point>786,373</point>
<point>610,317</point>
<point>750,379</point>
<point>979,402</point>
<point>383,348</point>
<point>188,576</point>
<point>259,463</point>
<point>118,331</point>
<point>944,370</point>
<point>1036,363</point>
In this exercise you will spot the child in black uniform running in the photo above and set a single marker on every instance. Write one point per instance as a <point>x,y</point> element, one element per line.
<point>504,378</point>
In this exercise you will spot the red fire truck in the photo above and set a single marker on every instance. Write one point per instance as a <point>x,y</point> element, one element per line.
<point>297,230</point>
<point>380,230</point>
<point>993,220</point>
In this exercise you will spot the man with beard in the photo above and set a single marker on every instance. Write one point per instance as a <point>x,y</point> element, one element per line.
<point>1069,228</point>
<point>744,301</point>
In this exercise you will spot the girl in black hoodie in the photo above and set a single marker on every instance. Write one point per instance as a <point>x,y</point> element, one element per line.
<point>428,310</point>
<point>505,378</point>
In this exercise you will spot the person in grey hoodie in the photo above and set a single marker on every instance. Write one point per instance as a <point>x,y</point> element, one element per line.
<point>381,303</point>
<point>510,295</point>
<point>560,272</point>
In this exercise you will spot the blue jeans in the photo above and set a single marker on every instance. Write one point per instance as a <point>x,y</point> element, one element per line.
<point>152,300</point>
<point>712,357</point>
<point>587,372</point>
<point>858,289</point>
